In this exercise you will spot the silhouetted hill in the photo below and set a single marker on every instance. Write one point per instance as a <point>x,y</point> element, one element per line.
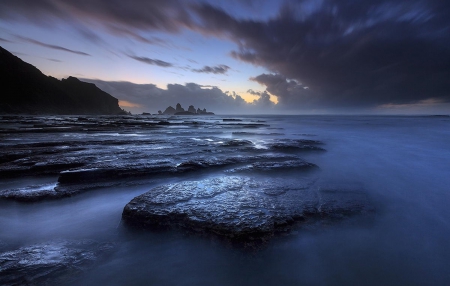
<point>25,89</point>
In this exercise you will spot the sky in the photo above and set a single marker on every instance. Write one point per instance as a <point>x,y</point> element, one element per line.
<point>248,56</point>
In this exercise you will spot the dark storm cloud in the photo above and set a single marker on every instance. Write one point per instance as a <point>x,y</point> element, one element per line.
<point>349,53</point>
<point>150,98</point>
<point>149,61</point>
<point>5,40</point>
<point>220,69</point>
<point>55,47</point>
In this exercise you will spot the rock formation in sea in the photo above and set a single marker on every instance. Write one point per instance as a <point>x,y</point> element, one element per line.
<point>26,90</point>
<point>169,111</point>
<point>179,110</point>
<point>191,109</point>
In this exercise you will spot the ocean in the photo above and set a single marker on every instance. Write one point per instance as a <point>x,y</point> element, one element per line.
<point>402,163</point>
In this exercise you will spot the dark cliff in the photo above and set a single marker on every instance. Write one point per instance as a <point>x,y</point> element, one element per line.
<point>25,89</point>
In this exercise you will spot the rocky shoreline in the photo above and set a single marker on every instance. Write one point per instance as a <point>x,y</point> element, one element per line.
<point>231,178</point>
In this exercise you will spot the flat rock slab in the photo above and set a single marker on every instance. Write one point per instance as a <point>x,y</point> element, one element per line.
<point>78,180</point>
<point>289,165</point>
<point>31,193</point>
<point>242,208</point>
<point>52,263</point>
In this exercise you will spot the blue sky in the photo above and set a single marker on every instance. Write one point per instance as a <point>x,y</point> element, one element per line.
<point>297,56</point>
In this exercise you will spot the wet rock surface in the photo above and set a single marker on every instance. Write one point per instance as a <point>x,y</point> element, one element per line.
<point>242,181</point>
<point>256,185</point>
<point>31,193</point>
<point>288,165</point>
<point>88,152</point>
<point>242,208</point>
<point>295,145</point>
<point>52,263</point>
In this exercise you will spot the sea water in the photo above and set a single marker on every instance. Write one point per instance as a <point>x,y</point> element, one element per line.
<point>403,163</point>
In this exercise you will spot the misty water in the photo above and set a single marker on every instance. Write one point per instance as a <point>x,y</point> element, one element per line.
<point>403,163</point>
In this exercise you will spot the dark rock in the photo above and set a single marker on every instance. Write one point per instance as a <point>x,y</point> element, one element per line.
<point>290,165</point>
<point>236,143</point>
<point>243,125</point>
<point>39,166</point>
<point>91,152</point>
<point>204,112</point>
<point>110,171</point>
<point>241,208</point>
<point>130,170</point>
<point>296,145</point>
<point>184,113</point>
<point>243,133</point>
<point>75,181</point>
<point>52,263</point>
<point>288,147</point>
<point>208,162</point>
<point>231,119</point>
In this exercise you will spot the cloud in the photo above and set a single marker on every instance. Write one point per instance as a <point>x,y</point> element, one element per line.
<point>263,100</point>
<point>290,93</point>
<point>149,61</point>
<point>349,54</point>
<point>124,32</point>
<point>5,40</point>
<point>55,47</point>
<point>90,35</point>
<point>220,69</point>
<point>150,98</point>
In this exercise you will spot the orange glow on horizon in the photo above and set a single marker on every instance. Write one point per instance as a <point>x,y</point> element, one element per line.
<point>124,103</point>
<point>250,97</point>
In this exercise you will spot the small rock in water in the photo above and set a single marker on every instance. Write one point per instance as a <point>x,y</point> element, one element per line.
<point>52,263</point>
<point>237,143</point>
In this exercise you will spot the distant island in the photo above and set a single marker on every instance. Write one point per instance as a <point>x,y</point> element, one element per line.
<point>25,89</point>
<point>178,110</point>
